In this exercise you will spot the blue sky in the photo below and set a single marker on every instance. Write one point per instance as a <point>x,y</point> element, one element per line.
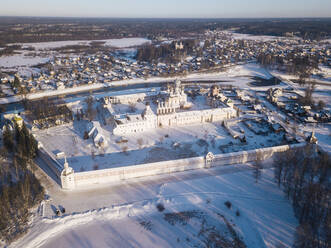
<point>167,8</point>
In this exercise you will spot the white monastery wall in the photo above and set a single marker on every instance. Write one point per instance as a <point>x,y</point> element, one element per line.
<point>51,162</point>
<point>135,171</point>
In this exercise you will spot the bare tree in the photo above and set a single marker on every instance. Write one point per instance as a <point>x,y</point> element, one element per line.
<point>303,174</point>
<point>91,112</point>
<point>140,142</point>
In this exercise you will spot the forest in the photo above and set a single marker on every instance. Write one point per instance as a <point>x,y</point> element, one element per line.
<point>19,188</point>
<point>307,28</point>
<point>304,176</point>
<point>292,63</point>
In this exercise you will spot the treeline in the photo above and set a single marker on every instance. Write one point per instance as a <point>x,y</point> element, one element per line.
<point>304,175</point>
<point>19,188</point>
<point>312,29</point>
<point>9,50</point>
<point>165,52</point>
<point>44,108</point>
<point>15,201</point>
<point>60,29</point>
<point>291,62</point>
<point>24,143</point>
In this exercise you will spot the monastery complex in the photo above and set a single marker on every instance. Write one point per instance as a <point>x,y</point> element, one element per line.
<point>166,108</point>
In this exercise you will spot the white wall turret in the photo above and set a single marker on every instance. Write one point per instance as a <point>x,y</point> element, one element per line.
<point>67,176</point>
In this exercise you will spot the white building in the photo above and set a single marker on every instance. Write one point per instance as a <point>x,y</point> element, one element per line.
<point>126,124</point>
<point>93,130</point>
<point>167,114</point>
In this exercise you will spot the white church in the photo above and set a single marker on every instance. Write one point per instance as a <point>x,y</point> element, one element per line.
<point>172,110</point>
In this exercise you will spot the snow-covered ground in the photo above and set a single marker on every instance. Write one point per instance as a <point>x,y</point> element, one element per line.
<point>117,43</point>
<point>22,59</point>
<point>264,38</point>
<point>125,215</point>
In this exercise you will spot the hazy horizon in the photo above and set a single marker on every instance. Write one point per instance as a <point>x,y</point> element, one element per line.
<point>168,18</point>
<point>195,9</point>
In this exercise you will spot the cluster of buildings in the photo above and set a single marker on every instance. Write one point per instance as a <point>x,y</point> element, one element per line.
<point>164,109</point>
<point>245,49</point>
<point>288,101</point>
<point>217,49</point>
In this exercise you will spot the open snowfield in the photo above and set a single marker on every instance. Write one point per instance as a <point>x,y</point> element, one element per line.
<point>116,43</point>
<point>125,215</point>
<point>19,60</point>
<point>264,38</point>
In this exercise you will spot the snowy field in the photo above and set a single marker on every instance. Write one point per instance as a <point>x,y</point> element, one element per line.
<point>264,38</point>
<point>19,60</point>
<point>126,215</point>
<point>116,43</point>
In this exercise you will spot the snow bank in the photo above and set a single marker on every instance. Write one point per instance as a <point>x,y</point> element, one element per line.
<point>266,217</point>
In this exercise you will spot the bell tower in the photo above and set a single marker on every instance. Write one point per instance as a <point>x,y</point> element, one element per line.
<point>67,176</point>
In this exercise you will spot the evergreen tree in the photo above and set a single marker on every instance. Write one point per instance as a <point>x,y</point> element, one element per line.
<point>8,139</point>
